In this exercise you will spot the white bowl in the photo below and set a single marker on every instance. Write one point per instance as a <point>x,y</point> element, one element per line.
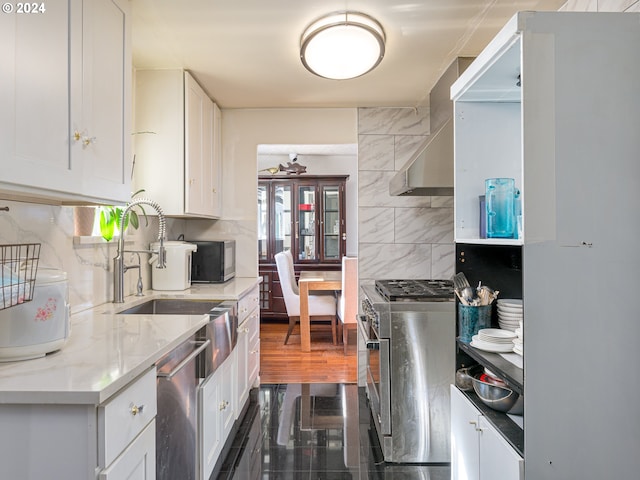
<point>509,309</point>
<point>510,302</point>
<point>511,316</point>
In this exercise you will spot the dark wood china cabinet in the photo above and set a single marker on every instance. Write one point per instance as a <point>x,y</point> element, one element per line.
<point>305,215</point>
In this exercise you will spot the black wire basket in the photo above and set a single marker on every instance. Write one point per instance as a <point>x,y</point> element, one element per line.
<point>19,265</point>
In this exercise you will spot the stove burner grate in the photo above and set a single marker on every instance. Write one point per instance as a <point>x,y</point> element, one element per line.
<point>415,290</point>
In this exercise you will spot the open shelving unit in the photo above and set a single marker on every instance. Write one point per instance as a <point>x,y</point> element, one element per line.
<point>530,107</point>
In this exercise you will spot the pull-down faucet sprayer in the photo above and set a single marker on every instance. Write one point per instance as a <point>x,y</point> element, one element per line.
<point>118,262</point>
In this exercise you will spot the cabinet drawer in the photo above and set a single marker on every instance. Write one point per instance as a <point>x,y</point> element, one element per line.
<point>253,325</point>
<point>247,304</point>
<point>122,418</point>
<point>253,363</point>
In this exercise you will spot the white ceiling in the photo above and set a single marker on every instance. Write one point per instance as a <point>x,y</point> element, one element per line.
<point>245,53</point>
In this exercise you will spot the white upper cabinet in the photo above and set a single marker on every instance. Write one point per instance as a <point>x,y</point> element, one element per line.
<point>549,98</point>
<point>177,144</point>
<point>65,103</point>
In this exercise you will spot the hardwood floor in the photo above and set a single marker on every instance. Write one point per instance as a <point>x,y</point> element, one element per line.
<point>326,363</point>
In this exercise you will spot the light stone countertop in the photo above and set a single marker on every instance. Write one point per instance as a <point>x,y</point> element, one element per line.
<point>106,351</point>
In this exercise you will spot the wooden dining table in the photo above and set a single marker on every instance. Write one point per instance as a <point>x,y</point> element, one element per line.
<point>312,280</point>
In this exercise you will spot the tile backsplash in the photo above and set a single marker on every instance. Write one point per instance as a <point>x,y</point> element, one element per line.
<point>399,237</point>
<point>89,265</point>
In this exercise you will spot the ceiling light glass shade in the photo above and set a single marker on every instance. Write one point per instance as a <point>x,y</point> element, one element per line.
<point>342,45</point>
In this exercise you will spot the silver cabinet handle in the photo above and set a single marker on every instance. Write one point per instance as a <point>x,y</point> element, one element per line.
<point>183,363</point>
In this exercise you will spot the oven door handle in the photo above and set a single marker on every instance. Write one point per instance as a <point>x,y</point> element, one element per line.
<point>369,343</point>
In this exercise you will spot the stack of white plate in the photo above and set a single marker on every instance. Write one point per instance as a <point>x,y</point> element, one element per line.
<point>509,313</point>
<point>493,340</point>
<point>518,342</point>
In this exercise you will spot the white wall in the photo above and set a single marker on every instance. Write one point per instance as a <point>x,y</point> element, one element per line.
<point>242,131</point>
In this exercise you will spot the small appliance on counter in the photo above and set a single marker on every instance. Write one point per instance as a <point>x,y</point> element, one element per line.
<point>41,326</point>
<point>214,261</point>
<point>177,272</point>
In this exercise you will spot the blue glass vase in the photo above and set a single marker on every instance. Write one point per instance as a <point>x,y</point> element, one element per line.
<point>500,194</point>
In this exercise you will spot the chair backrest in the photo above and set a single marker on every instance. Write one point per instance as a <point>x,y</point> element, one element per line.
<point>287,275</point>
<point>348,307</point>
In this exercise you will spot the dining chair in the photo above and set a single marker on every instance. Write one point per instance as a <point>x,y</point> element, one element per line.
<point>348,299</point>
<point>322,308</point>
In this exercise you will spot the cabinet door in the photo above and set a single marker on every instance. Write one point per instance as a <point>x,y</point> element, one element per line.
<point>253,362</point>
<point>210,423</point>
<point>498,461</point>
<point>216,164</point>
<point>104,153</point>
<point>306,223</point>
<point>282,201</point>
<point>263,221</point>
<point>465,451</point>
<point>332,222</point>
<point>241,376</point>
<point>67,131</point>
<point>137,461</point>
<point>198,117</point>
<point>227,401</point>
<point>37,103</point>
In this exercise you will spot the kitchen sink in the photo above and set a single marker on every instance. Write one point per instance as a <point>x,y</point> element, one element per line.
<point>171,306</point>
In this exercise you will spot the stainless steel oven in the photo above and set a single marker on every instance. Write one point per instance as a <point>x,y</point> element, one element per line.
<point>410,365</point>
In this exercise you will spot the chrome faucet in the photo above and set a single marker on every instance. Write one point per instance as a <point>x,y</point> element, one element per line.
<point>119,266</point>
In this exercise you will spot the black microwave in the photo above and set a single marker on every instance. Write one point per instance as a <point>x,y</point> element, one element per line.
<point>214,261</point>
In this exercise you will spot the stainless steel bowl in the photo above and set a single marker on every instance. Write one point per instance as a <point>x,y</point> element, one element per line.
<point>464,376</point>
<point>499,398</point>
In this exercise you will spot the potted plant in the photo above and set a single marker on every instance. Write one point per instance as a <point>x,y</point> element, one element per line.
<point>110,217</point>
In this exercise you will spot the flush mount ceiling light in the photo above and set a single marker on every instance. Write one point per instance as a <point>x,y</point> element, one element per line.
<point>342,45</point>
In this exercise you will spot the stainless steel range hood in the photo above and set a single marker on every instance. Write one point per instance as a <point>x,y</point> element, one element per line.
<point>429,171</point>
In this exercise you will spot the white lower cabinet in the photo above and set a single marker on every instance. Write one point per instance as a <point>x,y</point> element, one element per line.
<point>216,417</point>
<point>248,347</point>
<point>138,461</point>
<point>253,366</point>
<point>478,451</point>
<point>114,440</point>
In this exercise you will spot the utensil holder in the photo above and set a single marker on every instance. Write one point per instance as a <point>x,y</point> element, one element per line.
<point>472,319</point>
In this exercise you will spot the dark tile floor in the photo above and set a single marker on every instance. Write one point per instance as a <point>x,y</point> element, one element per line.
<point>312,431</point>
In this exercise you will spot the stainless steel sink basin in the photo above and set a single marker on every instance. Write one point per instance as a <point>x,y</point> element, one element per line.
<point>172,306</point>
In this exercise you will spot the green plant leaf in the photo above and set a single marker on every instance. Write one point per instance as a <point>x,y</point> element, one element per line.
<point>107,223</point>
<point>133,219</point>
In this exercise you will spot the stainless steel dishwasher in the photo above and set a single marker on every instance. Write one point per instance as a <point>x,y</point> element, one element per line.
<point>180,374</point>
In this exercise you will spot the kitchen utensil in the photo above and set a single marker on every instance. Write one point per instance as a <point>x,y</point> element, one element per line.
<point>486,294</point>
<point>461,298</point>
<point>467,294</point>
<point>471,319</point>
<point>464,376</point>
<point>460,281</point>
<point>500,398</point>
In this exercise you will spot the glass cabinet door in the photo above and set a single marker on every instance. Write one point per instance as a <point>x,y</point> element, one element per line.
<point>306,223</point>
<point>331,222</point>
<point>263,222</point>
<point>282,217</point>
